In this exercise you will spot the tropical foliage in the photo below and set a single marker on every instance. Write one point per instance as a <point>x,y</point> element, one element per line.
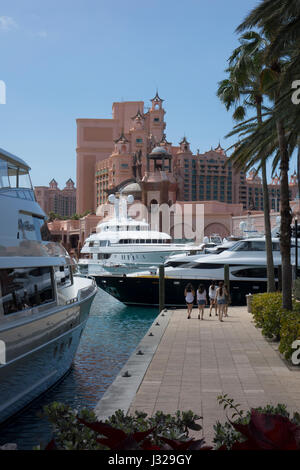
<point>276,135</point>
<point>269,427</point>
<point>267,312</point>
<point>80,430</point>
<point>243,89</point>
<point>275,322</point>
<point>263,428</point>
<point>289,332</point>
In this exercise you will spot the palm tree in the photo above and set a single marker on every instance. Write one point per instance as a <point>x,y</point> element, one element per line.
<point>279,20</point>
<point>243,90</point>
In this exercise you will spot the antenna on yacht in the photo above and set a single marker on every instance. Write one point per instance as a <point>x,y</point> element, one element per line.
<point>123,205</point>
<point>243,226</point>
<point>120,204</point>
<point>114,200</point>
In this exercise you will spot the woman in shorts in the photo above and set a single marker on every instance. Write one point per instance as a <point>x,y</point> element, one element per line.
<point>189,294</point>
<point>201,300</point>
<point>227,300</point>
<point>221,301</point>
<point>212,297</point>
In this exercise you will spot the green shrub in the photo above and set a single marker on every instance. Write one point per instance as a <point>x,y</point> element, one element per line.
<point>296,288</point>
<point>70,434</point>
<point>267,312</point>
<point>275,322</point>
<point>225,434</point>
<point>290,331</point>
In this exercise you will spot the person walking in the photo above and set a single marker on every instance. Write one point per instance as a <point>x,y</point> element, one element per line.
<point>227,300</point>
<point>201,300</point>
<point>189,293</point>
<point>212,292</point>
<point>221,300</point>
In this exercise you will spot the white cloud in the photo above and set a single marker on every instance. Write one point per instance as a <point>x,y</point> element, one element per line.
<point>42,34</point>
<point>7,23</point>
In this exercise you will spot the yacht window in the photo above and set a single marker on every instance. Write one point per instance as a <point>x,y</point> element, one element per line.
<point>142,241</point>
<point>32,228</point>
<point>24,179</point>
<point>249,246</point>
<point>63,276</point>
<point>24,288</point>
<point>41,229</point>
<point>138,228</point>
<point>154,241</point>
<point>12,176</point>
<point>4,181</point>
<point>175,264</point>
<point>91,244</point>
<point>148,241</point>
<point>195,265</point>
<point>104,243</point>
<point>251,272</point>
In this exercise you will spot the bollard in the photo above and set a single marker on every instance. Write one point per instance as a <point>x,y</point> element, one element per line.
<point>161,288</point>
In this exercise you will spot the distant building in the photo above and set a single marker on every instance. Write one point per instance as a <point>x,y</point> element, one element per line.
<point>59,201</point>
<point>112,152</point>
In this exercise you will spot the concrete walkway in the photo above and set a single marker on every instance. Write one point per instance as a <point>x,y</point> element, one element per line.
<point>198,360</point>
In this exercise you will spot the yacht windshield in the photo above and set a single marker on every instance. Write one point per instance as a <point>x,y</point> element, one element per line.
<point>253,245</point>
<point>12,176</point>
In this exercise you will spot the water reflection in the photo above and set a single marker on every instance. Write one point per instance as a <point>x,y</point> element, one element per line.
<point>111,334</point>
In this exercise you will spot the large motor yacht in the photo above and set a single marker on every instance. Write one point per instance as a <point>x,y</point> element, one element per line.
<point>246,260</point>
<point>43,307</point>
<point>122,245</point>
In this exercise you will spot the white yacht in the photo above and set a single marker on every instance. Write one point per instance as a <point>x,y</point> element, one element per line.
<point>43,307</point>
<point>122,245</point>
<point>204,249</point>
<point>247,274</point>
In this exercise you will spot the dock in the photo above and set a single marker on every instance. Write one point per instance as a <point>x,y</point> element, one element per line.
<point>187,363</point>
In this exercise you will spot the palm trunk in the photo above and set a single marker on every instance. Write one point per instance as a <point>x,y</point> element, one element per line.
<point>298,168</point>
<point>286,219</point>
<point>268,235</point>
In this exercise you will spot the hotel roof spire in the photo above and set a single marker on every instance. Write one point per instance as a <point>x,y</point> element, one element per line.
<point>156,98</point>
<point>122,138</point>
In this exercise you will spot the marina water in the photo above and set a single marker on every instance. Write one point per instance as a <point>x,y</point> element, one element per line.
<point>112,333</point>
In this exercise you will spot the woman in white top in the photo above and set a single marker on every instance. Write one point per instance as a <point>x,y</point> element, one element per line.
<point>189,298</point>
<point>221,299</point>
<point>201,300</point>
<point>212,292</point>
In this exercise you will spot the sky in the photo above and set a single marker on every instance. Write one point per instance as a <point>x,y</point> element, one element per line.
<point>68,59</point>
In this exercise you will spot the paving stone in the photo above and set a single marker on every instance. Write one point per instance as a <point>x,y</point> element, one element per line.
<point>196,362</point>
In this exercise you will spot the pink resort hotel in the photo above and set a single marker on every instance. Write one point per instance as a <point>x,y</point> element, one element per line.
<point>130,153</point>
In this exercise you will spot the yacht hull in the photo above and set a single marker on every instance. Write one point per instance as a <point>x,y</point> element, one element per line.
<point>144,290</point>
<point>30,374</point>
